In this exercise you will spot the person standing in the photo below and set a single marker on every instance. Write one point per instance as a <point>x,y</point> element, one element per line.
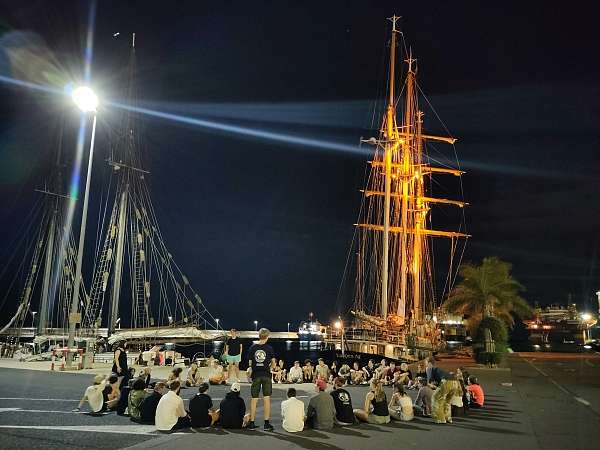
<point>259,358</point>
<point>233,356</point>
<point>292,412</point>
<point>119,367</point>
<point>441,409</point>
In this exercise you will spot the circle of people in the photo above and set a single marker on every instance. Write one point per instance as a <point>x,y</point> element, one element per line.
<point>440,395</point>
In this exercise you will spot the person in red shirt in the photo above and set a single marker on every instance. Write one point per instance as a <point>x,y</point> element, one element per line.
<point>475,392</point>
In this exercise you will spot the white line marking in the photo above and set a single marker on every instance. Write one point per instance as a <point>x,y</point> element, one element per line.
<point>118,429</point>
<point>40,411</point>
<point>579,399</point>
<point>39,399</point>
<point>582,400</point>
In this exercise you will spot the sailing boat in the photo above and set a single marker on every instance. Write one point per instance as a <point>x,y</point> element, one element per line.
<point>163,304</point>
<point>395,297</point>
<point>50,253</point>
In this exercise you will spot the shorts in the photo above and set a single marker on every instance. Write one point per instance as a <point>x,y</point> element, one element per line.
<point>230,359</point>
<point>378,420</point>
<point>263,382</point>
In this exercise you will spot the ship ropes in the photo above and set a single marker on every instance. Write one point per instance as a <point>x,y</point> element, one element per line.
<point>135,288</point>
<point>409,236</point>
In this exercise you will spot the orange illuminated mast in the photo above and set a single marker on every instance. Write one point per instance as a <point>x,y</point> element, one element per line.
<point>399,174</point>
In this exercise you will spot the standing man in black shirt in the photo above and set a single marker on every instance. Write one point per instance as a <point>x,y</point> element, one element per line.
<point>233,356</point>
<point>119,367</point>
<point>259,357</point>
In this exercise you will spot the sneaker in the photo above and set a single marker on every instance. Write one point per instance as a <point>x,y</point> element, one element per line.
<point>251,426</point>
<point>268,427</point>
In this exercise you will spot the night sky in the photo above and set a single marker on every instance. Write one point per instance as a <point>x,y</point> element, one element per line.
<point>262,228</point>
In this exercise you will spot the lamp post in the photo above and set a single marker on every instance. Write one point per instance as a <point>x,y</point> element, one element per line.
<point>339,325</point>
<point>87,101</point>
<point>288,327</point>
<point>33,313</point>
<point>256,325</point>
<point>217,320</point>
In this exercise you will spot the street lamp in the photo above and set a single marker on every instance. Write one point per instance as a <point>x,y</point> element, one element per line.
<point>33,313</point>
<point>256,325</point>
<point>217,320</point>
<point>87,101</point>
<point>339,325</point>
<point>288,327</point>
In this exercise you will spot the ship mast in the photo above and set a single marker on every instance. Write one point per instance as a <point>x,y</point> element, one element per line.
<point>390,147</point>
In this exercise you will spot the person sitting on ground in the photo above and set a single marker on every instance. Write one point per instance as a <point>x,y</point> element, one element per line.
<point>308,371</point>
<point>376,406</point>
<point>369,371</point>
<point>295,375</point>
<point>333,371</point>
<point>382,370</point>
<point>344,413</point>
<point>320,413</point>
<point>389,375</point>
<point>282,370</point>
<point>113,392</point>
<point>475,392</point>
<point>434,373</point>
<point>232,410</point>
<point>404,375</point>
<point>215,373</point>
<point>146,374</point>
<point>150,403</point>
<point>400,406</point>
<point>275,371</point>
<point>194,379</point>
<point>170,412</point>
<point>421,373</point>
<point>137,394</point>
<point>441,409</point>
<point>94,396</point>
<point>202,413</point>
<point>292,412</point>
<point>357,375</point>
<point>175,375</point>
<point>321,371</point>
<point>423,401</point>
<point>456,402</point>
<point>344,373</point>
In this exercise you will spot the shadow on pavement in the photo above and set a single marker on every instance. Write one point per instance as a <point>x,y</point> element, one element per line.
<point>487,429</point>
<point>406,426</point>
<point>348,431</point>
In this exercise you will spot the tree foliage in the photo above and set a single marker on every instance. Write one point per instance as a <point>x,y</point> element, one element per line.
<point>488,290</point>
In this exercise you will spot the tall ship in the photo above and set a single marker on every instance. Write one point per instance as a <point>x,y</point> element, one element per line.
<point>396,297</point>
<point>135,290</point>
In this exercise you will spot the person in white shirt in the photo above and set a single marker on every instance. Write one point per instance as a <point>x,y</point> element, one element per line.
<point>292,412</point>
<point>94,395</point>
<point>295,375</point>
<point>170,412</point>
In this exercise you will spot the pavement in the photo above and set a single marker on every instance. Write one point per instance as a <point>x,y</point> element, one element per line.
<point>533,402</point>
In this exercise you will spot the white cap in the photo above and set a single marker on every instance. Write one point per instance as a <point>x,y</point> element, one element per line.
<point>235,387</point>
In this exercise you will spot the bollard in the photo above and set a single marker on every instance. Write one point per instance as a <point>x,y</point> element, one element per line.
<point>53,358</point>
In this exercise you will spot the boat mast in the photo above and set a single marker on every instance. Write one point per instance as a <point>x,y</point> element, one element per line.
<point>390,146</point>
<point>420,214</point>
<point>407,176</point>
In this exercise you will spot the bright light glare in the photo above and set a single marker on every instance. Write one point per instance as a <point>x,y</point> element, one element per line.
<point>337,324</point>
<point>85,99</point>
<point>586,316</point>
<point>587,347</point>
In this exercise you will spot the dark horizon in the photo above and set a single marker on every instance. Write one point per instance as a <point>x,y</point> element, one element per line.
<point>263,228</point>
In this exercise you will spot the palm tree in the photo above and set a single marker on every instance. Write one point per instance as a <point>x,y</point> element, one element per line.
<point>488,290</point>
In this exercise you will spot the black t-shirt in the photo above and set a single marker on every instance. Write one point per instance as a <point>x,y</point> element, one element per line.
<point>122,362</point>
<point>233,346</point>
<point>260,355</point>
<point>343,406</point>
<point>232,411</point>
<point>148,407</point>
<point>199,406</point>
